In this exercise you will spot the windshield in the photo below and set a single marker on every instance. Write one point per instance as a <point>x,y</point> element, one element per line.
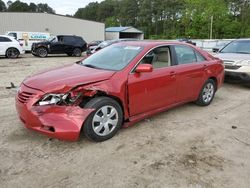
<point>52,39</point>
<point>238,46</point>
<point>112,58</point>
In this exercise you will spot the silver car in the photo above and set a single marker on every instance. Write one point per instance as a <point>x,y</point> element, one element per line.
<point>236,57</point>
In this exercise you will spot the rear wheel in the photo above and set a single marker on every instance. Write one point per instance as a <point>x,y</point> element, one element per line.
<point>42,52</point>
<point>207,93</point>
<point>105,121</point>
<point>12,53</point>
<point>77,52</point>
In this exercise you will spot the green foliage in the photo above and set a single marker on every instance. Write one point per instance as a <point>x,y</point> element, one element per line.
<point>19,6</point>
<point>2,6</point>
<point>169,19</point>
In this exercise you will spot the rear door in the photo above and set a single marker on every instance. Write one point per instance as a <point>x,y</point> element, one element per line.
<point>156,89</point>
<point>190,69</point>
<point>69,42</point>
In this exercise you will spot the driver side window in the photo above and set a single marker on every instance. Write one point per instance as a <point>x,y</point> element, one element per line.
<point>158,57</point>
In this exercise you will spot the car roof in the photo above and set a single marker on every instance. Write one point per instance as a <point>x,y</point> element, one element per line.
<point>68,36</point>
<point>149,43</point>
<point>6,36</point>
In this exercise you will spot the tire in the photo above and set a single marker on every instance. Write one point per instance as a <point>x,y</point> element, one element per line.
<point>42,52</point>
<point>98,126</point>
<point>69,54</point>
<point>77,52</point>
<point>207,93</point>
<point>12,53</point>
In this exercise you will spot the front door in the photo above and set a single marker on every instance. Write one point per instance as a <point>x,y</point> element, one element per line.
<point>156,89</point>
<point>57,46</point>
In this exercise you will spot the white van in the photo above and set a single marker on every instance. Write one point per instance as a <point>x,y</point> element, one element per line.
<point>28,38</point>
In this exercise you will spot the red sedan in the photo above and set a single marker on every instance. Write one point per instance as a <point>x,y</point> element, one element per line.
<point>119,85</point>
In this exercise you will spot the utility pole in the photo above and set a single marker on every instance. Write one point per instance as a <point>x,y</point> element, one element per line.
<point>211,27</point>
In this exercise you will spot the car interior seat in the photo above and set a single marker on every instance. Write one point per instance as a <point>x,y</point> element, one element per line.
<point>162,58</point>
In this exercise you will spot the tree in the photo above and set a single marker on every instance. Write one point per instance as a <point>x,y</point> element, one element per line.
<point>90,12</point>
<point>18,6</point>
<point>45,8</point>
<point>33,7</point>
<point>2,6</point>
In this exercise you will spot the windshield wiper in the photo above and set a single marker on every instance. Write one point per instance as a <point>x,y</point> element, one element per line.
<point>91,66</point>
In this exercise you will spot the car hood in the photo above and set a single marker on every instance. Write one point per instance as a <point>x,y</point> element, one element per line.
<point>41,43</point>
<point>232,57</point>
<point>67,76</point>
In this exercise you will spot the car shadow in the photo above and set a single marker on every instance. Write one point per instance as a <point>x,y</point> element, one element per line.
<point>235,82</point>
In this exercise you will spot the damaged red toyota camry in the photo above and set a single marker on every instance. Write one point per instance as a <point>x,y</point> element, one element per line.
<point>117,86</point>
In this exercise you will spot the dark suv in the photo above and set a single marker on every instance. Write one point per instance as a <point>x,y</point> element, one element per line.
<point>60,44</point>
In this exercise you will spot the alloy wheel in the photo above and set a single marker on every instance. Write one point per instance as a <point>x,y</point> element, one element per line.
<point>208,92</point>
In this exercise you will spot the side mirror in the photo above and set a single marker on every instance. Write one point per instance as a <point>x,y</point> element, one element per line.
<point>144,68</point>
<point>215,50</point>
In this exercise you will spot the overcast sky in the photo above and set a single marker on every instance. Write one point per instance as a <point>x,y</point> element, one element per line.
<point>62,6</point>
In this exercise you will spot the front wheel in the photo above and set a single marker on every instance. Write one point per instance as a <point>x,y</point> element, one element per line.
<point>12,53</point>
<point>207,93</point>
<point>105,121</point>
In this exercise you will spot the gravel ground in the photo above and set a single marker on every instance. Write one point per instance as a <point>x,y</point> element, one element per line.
<point>188,146</point>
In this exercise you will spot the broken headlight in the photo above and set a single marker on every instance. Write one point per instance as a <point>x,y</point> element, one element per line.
<point>59,99</point>
<point>51,99</point>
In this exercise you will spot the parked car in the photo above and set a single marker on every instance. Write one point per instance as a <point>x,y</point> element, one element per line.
<point>219,45</point>
<point>187,40</point>
<point>61,44</point>
<point>236,57</point>
<point>93,44</point>
<point>28,38</point>
<point>119,85</point>
<point>106,43</point>
<point>10,47</point>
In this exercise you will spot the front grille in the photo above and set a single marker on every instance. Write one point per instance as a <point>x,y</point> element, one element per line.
<point>24,97</point>
<point>232,67</point>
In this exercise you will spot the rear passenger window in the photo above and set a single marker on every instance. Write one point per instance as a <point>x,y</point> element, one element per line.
<point>68,40</point>
<point>185,55</point>
<point>159,57</point>
<point>4,39</point>
<point>13,35</point>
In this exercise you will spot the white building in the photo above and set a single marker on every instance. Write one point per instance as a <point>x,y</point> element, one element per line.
<point>51,23</point>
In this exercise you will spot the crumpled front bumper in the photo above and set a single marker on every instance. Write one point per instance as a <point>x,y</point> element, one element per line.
<point>61,122</point>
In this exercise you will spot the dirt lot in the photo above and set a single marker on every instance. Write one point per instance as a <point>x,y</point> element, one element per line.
<point>189,146</point>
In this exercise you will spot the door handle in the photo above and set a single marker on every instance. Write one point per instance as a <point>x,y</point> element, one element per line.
<point>172,73</point>
<point>205,67</point>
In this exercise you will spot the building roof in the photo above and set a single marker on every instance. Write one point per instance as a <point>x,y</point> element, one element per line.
<point>122,29</point>
<point>116,29</point>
